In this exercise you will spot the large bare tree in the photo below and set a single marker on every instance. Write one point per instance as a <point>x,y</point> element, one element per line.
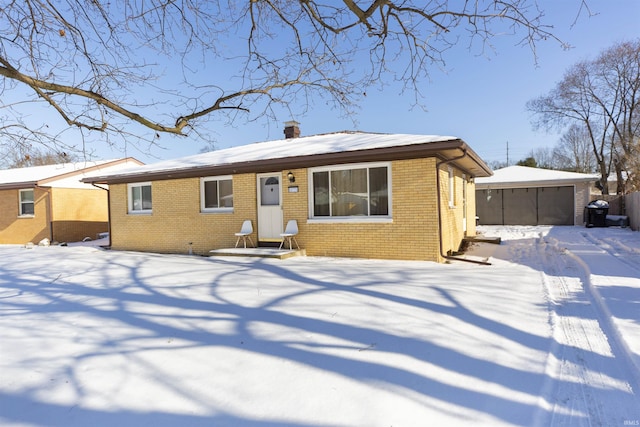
<point>144,68</point>
<point>574,151</point>
<point>602,96</point>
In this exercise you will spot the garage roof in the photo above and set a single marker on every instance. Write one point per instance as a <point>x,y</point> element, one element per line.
<point>524,176</point>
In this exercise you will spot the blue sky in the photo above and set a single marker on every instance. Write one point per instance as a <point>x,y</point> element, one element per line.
<point>480,99</point>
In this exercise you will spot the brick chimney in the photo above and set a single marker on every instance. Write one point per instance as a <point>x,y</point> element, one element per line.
<point>291,129</point>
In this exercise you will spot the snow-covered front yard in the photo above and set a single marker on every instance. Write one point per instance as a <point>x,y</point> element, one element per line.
<point>548,334</point>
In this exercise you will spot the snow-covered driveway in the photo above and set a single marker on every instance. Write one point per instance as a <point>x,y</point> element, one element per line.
<point>592,278</point>
<point>98,338</point>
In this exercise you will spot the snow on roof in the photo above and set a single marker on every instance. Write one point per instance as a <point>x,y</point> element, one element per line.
<point>519,175</point>
<point>293,147</point>
<point>38,173</point>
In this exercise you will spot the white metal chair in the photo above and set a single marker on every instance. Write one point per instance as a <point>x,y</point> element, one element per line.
<point>245,233</point>
<point>290,232</point>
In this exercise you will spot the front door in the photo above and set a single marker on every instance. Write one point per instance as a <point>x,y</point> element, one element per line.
<point>269,207</point>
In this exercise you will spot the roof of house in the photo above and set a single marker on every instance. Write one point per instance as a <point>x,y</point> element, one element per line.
<point>519,176</point>
<point>49,175</point>
<point>309,151</point>
<point>613,177</point>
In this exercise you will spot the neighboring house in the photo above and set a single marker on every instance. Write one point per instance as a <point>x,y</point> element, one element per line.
<point>353,194</point>
<point>51,202</point>
<point>612,183</point>
<point>520,195</point>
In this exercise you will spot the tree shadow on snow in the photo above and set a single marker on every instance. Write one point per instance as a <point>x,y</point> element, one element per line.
<point>127,306</point>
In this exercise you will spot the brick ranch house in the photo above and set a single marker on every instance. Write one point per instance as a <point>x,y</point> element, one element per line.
<point>51,202</point>
<point>353,194</point>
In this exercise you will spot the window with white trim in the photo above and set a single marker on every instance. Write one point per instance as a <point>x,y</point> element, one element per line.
<point>140,197</point>
<point>27,202</point>
<point>216,194</point>
<point>350,191</point>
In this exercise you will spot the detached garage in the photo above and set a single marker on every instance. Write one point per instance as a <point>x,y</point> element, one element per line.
<point>520,195</point>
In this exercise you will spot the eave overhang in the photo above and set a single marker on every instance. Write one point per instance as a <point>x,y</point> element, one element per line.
<point>470,164</point>
<point>533,183</point>
<point>19,185</point>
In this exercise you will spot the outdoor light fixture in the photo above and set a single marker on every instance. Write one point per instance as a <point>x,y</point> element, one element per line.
<point>291,177</point>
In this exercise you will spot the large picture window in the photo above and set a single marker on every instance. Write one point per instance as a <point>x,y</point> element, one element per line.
<point>140,197</point>
<point>216,194</point>
<point>350,191</point>
<point>27,205</point>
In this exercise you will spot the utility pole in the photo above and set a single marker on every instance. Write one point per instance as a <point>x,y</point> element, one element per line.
<point>507,153</point>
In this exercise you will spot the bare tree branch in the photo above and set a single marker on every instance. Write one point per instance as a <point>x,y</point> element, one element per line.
<point>601,96</point>
<point>169,66</point>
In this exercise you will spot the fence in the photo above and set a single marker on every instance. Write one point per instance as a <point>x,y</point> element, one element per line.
<point>632,208</point>
<point>628,205</point>
<point>617,203</point>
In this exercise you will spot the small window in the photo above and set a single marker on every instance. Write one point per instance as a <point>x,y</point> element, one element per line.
<point>140,197</point>
<point>27,205</point>
<point>216,194</point>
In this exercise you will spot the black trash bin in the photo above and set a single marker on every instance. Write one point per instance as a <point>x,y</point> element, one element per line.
<point>595,213</point>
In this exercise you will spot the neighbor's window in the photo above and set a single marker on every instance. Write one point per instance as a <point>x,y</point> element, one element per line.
<point>216,194</point>
<point>140,197</point>
<point>26,202</point>
<point>350,191</point>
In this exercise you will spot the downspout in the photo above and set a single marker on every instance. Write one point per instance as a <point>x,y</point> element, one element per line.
<point>439,198</point>
<point>48,191</point>
<point>108,209</point>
